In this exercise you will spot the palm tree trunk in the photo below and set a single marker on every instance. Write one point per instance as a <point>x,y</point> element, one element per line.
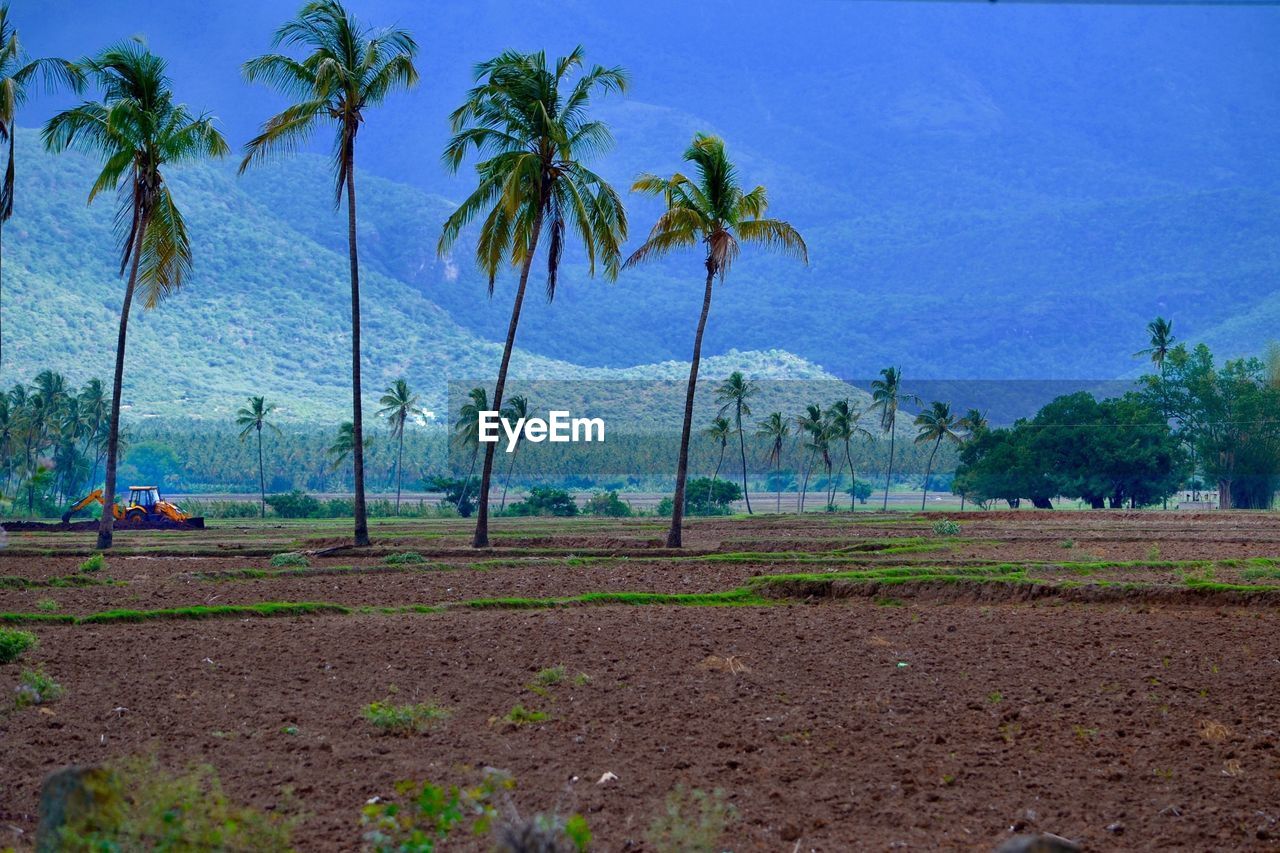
<point>357,420</point>
<point>928,471</point>
<point>262,476</point>
<point>742,446</point>
<point>853,479</point>
<point>106,526</point>
<point>399,469</point>
<point>804,487</point>
<point>888,472</point>
<point>715,476</point>
<point>462,497</point>
<point>682,468</point>
<point>507,482</point>
<point>481,539</point>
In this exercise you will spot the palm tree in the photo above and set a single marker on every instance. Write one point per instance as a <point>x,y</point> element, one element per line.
<point>1161,343</point>
<point>516,409</point>
<point>843,421</point>
<point>935,424</point>
<point>533,130</point>
<point>734,394</point>
<point>776,429</point>
<point>887,397</point>
<point>17,73</point>
<point>713,210</point>
<point>252,418</point>
<point>811,423</point>
<point>347,69</point>
<point>467,429</point>
<point>344,444</point>
<point>974,423</point>
<point>718,432</point>
<point>95,405</point>
<point>138,131</point>
<point>398,403</point>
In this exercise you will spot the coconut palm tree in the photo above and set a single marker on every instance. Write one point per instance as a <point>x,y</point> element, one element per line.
<point>1161,344</point>
<point>17,74</point>
<point>399,403</point>
<point>516,409</point>
<point>347,68</point>
<point>775,429</point>
<point>886,398</point>
<point>935,424</point>
<point>139,132</point>
<point>467,429</point>
<point>530,124</point>
<point>813,424</point>
<point>974,423</point>
<point>251,419</point>
<point>843,425</point>
<point>710,209</point>
<point>95,405</point>
<point>734,394</point>
<point>719,433</point>
<point>344,444</point>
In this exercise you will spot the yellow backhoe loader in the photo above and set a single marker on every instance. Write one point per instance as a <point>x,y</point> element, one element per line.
<point>145,509</point>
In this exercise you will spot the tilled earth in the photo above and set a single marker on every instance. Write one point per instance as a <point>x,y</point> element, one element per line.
<point>829,724</point>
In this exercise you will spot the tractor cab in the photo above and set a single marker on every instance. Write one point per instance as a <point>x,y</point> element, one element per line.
<point>144,496</point>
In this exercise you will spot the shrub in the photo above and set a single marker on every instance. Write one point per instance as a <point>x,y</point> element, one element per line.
<point>426,814</point>
<point>704,496</point>
<point>402,719</point>
<point>295,504</point>
<point>607,504</point>
<point>289,559</point>
<point>946,527</point>
<point>521,716</point>
<point>407,558</point>
<point>692,821</point>
<point>543,500</point>
<point>95,563</point>
<point>48,605</point>
<point>35,687</point>
<point>136,800</point>
<point>14,643</point>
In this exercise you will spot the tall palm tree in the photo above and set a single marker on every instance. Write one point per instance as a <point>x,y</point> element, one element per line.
<point>251,419</point>
<point>138,131</point>
<point>886,397</point>
<point>95,405</point>
<point>17,74</point>
<point>347,69</point>
<point>398,404</point>
<point>974,423</point>
<point>1161,343</point>
<point>344,444</point>
<point>935,424</point>
<point>718,432</point>
<point>776,429</point>
<point>734,394</point>
<point>711,209</point>
<point>844,428</point>
<point>813,424</point>
<point>531,126</point>
<point>467,430</point>
<point>513,412</point>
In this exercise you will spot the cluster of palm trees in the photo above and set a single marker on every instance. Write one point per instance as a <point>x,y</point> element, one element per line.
<point>527,123</point>
<point>50,420</point>
<point>827,435</point>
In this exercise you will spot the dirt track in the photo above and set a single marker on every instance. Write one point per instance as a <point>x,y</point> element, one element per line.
<point>1093,721</point>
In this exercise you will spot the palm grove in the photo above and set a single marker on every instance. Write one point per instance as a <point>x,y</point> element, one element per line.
<point>528,132</point>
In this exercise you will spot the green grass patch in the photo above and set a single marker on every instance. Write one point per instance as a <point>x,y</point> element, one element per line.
<point>522,716</point>
<point>404,719</point>
<point>13,644</point>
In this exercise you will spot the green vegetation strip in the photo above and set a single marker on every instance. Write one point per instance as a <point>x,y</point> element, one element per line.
<point>14,582</point>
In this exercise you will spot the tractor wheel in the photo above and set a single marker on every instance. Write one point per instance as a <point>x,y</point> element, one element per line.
<point>135,517</point>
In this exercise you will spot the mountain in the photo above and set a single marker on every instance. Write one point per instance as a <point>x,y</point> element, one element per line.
<point>1005,191</point>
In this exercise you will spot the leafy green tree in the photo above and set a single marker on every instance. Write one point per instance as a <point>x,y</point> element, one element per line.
<point>934,425</point>
<point>399,403</point>
<point>347,69</point>
<point>18,73</point>
<point>251,419</point>
<point>775,429</point>
<point>719,433</point>
<point>887,397</point>
<point>973,423</point>
<point>710,209</point>
<point>735,393</point>
<point>532,128</point>
<point>542,500</point>
<point>138,131</point>
<point>516,409</point>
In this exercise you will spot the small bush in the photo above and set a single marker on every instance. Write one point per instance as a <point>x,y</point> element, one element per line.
<point>403,719</point>
<point>223,509</point>
<point>289,559</point>
<point>946,527</point>
<point>608,505</point>
<point>14,643</point>
<point>522,716</point>
<point>48,605</point>
<point>96,563</point>
<point>693,821</point>
<point>545,501</point>
<point>35,687</point>
<point>136,800</point>
<point>295,504</point>
<point>550,676</point>
<point>408,558</point>
<point>421,815</point>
